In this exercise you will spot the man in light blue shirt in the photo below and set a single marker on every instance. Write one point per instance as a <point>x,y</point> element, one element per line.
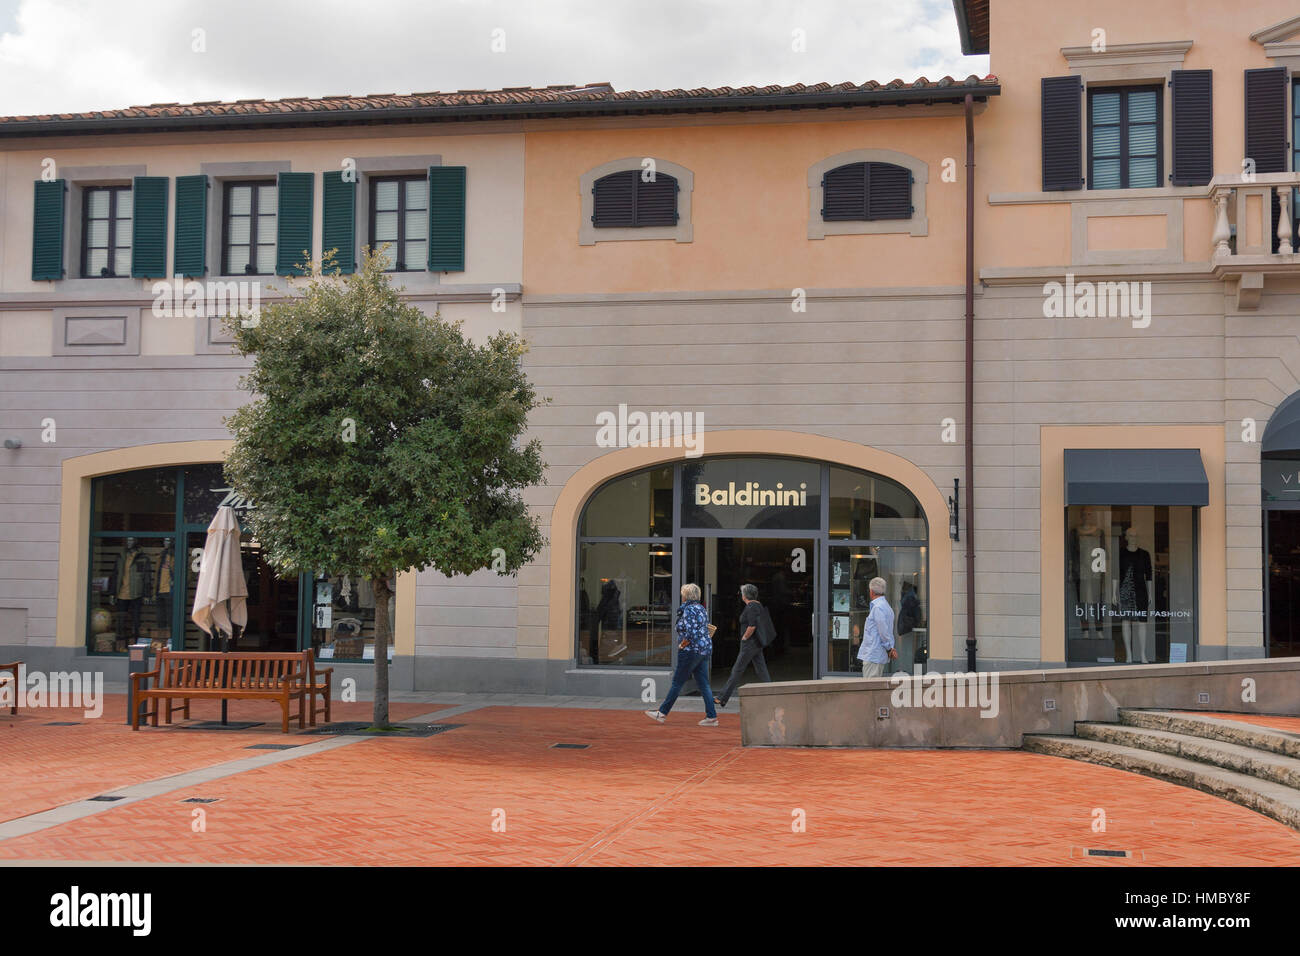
<point>877,648</point>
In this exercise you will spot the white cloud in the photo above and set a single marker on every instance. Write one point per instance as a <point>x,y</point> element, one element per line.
<point>74,55</point>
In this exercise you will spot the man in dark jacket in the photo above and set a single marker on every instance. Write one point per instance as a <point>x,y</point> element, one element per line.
<point>756,632</point>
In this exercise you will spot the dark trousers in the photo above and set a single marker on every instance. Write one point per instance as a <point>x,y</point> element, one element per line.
<point>130,608</point>
<point>750,650</point>
<point>690,664</point>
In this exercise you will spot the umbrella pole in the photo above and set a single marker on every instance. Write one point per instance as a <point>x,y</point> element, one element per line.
<point>224,677</point>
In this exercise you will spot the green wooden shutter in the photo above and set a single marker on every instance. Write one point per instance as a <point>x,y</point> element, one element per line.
<point>293,222</point>
<point>47,229</point>
<point>149,227</point>
<point>338,220</point>
<point>446,218</point>
<point>189,251</point>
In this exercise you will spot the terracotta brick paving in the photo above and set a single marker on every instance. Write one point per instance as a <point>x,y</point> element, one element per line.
<point>1277,722</point>
<point>649,794</point>
<point>44,766</point>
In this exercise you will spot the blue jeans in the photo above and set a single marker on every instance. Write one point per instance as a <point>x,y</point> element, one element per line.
<point>690,664</point>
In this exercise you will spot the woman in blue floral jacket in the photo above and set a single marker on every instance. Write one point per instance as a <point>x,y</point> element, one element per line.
<point>694,649</point>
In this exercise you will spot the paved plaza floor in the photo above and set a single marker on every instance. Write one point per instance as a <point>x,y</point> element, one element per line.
<point>494,789</point>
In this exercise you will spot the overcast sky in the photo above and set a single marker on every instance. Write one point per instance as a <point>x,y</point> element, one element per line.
<point>74,55</point>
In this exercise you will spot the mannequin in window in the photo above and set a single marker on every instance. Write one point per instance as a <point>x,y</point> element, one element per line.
<point>1091,568</point>
<point>133,583</point>
<point>1132,595</point>
<point>609,612</point>
<point>162,587</point>
<point>864,569</point>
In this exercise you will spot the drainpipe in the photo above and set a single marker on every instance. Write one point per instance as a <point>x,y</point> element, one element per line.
<point>970,383</point>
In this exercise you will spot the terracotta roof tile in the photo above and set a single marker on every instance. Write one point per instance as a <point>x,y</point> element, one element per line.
<point>594,93</point>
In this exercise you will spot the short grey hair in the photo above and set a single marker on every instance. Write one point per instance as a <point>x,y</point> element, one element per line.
<point>878,586</point>
<point>690,592</point>
<point>749,591</point>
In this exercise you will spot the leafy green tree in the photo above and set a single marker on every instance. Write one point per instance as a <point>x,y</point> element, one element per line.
<point>379,439</point>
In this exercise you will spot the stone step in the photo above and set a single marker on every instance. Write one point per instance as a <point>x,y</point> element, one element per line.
<point>1263,764</point>
<point>1263,796</point>
<point>1215,728</point>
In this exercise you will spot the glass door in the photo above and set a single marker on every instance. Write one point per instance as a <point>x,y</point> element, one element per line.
<point>784,571</point>
<point>1282,581</point>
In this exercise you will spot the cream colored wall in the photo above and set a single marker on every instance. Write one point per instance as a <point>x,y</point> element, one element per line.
<point>494,182</point>
<point>749,209</point>
<point>1026,37</point>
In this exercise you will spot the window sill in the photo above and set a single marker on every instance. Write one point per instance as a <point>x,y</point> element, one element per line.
<point>1099,195</point>
<point>916,226</point>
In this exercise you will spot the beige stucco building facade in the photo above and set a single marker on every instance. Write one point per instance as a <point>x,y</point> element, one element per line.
<point>1133,343</point>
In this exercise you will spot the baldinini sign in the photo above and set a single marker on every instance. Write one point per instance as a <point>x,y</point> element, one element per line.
<point>752,494</point>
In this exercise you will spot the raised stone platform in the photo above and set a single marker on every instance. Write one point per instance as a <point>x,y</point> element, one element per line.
<point>902,712</point>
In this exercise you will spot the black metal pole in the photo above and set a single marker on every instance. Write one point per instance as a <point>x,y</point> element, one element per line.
<point>224,676</point>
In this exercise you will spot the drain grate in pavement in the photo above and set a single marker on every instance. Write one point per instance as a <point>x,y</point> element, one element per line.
<point>218,725</point>
<point>200,800</point>
<point>570,746</point>
<point>104,799</point>
<point>1109,853</point>
<point>272,746</point>
<point>63,723</point>
<point>362,728</point>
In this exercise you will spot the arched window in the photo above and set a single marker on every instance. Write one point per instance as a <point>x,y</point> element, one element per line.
<point>627,200</point>
<point>811,536</point>
<point>866,192</point>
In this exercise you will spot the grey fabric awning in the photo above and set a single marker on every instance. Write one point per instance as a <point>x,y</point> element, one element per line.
<point>1135,476</point>
<point>1282,434</point>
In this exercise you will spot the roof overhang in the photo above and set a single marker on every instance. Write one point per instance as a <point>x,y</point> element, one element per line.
<point>901,95</point>
<point>973,25</point>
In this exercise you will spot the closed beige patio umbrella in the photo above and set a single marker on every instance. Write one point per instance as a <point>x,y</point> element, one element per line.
<point>221,595</point>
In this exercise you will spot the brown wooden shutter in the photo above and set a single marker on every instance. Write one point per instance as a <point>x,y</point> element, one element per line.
<point>1193,127</point>
<point>1266,119</point>
<point>613,200</point>
<point>624,199</point>
<point>1266,128</point>
<point>656,202</point>
<point>889,191</point>
<point>1062,126</point>
<point>844,193</point>
<point>866,192</point>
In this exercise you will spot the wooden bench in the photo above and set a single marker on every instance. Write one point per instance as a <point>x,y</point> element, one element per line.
<point>13,705</point>
<point>209,675</point>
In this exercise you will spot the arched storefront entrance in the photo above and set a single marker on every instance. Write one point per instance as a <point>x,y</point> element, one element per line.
<point>133,525</point>
<point>809,534</point>
<point>1280,486</point>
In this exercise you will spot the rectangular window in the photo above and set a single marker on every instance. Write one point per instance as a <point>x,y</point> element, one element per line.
<point>1130,584</point>
<point>248,239</point>
<point>1124,142</point>
<point>399,221</point>
<point>106,232</point>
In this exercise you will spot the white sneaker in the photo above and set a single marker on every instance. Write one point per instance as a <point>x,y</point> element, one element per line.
<point>655,716</point>
<point>709,722</point>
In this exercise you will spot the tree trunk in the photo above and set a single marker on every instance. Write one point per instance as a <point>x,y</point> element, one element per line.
<point>383,630</point>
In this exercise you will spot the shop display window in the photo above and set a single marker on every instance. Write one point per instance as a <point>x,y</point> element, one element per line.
<point>1130,584</point>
